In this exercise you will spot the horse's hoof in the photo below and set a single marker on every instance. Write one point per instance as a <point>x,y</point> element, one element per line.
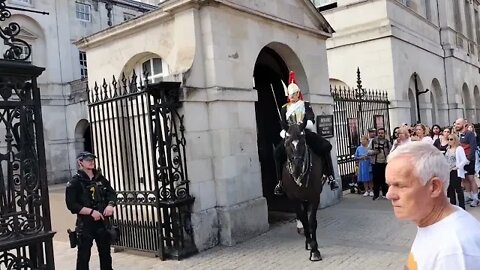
<point>300,231</point>
<point>315,256</point>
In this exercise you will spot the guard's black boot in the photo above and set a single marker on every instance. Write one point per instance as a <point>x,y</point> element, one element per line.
<point>332,183</point>
<point>329,173</point>
<point>278,189</point>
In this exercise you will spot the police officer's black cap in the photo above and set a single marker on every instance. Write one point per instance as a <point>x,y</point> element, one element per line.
<point>372,130</point>
<point>85,155</point>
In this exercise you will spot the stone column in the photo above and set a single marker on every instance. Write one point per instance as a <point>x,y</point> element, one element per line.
<point>442,118</point>
<point>223,166</point>
<point>322,104</point>
<point>399,113</point>
<point>241,207</point>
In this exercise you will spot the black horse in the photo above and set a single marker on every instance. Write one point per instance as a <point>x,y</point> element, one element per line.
<point>303,182</point>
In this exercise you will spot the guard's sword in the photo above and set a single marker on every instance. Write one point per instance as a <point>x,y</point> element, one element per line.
<point>276,104</point>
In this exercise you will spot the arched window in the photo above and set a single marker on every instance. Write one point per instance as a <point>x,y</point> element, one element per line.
<point>156,69</point>
<point>148,63</point>
<point>28,37</point>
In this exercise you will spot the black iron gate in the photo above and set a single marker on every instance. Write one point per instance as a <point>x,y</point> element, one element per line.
<point>356,111</point>
<point>25,225</point>
<point>138,136</point>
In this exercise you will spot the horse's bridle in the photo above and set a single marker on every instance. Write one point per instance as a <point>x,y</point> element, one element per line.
<point>305,167</point>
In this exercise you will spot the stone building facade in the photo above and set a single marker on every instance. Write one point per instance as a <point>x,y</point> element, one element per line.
<point>226,54</point>
<point>394,41</point>
<point>63,83</point>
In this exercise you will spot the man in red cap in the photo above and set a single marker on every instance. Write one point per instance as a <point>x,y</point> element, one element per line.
<point>298,111</point>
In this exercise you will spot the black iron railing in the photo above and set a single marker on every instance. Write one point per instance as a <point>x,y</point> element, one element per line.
<point>138,136</point>
<point>356,110</point>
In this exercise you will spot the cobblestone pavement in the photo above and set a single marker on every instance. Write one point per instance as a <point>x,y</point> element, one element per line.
<point>357,233</point>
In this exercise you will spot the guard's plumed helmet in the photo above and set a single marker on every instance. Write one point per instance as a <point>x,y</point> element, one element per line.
<point>292,84</point>
<point>292,87</point>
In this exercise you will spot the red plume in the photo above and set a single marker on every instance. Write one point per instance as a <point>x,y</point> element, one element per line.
<point>291,78</point>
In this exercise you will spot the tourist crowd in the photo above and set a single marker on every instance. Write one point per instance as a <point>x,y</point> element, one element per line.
<point>458,143</point>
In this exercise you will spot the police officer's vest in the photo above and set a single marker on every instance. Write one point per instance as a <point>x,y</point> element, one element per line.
<point>91,193</point>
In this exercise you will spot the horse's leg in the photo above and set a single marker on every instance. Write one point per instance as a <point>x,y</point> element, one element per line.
<point>314,252</point>
<point>308,233</point>
<point>299,223</point>
<point>302,215</point>
<point>299,226</point>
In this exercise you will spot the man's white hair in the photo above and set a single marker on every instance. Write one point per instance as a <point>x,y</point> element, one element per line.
<point>427,161</point>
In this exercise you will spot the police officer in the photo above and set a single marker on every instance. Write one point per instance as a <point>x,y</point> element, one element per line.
<point>91,197</point>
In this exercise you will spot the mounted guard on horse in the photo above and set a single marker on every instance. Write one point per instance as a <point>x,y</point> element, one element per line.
<point>308,164</point>
<point>299,112</point>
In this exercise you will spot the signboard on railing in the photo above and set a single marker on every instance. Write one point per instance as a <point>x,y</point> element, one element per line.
<point>325,125</point>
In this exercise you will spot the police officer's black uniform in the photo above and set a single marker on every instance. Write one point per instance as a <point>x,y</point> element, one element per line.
<point>96,194</point>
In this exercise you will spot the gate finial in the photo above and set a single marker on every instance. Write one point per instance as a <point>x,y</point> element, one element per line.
<point>359,80</point>
<point>114,83</point>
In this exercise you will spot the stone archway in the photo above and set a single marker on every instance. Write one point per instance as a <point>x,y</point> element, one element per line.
<point>272,66</point>
<point>83,139</point>
<point>34,34</point>
<point>421,104</point>
<point>439,111</point>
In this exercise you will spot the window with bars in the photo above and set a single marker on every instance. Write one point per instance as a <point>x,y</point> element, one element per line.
<point>128,16</point>
<point>83,11</point>
<point>83,64</point>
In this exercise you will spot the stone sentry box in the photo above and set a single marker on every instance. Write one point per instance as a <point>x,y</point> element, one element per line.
<point>212,47</point>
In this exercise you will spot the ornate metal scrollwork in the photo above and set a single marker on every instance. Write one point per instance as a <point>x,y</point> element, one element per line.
<point>18,49</point>
<point>4,12</point>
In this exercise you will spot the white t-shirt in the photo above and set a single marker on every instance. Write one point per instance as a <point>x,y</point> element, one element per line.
<point>453,243</point>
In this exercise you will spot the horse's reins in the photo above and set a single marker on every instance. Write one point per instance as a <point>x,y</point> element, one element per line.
<point>307,166</point>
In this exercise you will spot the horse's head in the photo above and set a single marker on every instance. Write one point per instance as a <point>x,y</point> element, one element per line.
<point>296,148</point>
